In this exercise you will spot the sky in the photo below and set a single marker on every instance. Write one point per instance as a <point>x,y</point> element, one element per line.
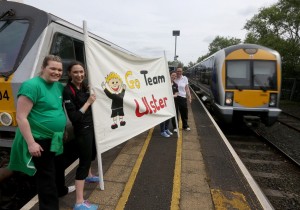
<point>145,27</point>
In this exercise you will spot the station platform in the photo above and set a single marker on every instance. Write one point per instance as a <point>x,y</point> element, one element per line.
<point>195,170</point>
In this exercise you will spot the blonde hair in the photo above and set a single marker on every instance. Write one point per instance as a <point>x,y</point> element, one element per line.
<point>112,75</point>
<point>49,58</point>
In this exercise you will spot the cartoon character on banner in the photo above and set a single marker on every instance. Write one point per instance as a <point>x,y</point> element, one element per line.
<point>115,90</point>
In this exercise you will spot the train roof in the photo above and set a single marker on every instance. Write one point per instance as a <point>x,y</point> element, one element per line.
<point>19,10</point>
<point>232,48</point>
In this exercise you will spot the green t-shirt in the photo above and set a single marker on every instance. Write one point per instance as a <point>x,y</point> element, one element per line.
<point>46,118</point>
<point>47,103</point>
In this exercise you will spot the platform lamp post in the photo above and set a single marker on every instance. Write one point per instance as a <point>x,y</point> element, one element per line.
<point>175,63</point>
<point>176,33</point>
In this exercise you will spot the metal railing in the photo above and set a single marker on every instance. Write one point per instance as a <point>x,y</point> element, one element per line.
<point>290,89</point>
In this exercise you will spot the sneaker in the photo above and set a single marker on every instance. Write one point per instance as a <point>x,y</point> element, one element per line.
<point>187,129</point>
<point>65,190</point>
<point>92,179</point>
<point>71,188</point>
<point>169,132</point>
<point>114,126</point>
<point>164,134</point>
<point>85,205</point>
<point>175,130</point>
<point>122,123</point>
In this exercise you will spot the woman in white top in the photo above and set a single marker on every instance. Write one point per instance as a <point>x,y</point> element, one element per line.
<point>184,95</point>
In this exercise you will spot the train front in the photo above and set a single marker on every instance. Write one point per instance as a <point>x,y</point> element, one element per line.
<point>20,28</point>
<point>251,78</point>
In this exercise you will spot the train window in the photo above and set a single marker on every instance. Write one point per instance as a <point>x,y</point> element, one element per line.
<point>238,74</point>
<point>69,49</point>
<point>264,75</point>
<point>79,51</point>
<point>12,34</point>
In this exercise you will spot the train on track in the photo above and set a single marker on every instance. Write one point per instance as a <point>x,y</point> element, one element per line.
<point>240,82</point>
<point>27,35</point>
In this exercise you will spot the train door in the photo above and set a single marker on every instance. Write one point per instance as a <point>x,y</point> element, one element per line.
<point>69,47</point>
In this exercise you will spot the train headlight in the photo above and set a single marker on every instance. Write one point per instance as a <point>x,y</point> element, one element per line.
<point>250,51</point>
<point>229,98</point>
<point>273,100</point>
<point>5,119</point>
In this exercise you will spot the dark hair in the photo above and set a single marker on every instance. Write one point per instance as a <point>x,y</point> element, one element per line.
<point>74,63</point>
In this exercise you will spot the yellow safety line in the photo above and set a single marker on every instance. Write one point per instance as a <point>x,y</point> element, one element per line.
<point>128,187</point>
<point>177,172</point>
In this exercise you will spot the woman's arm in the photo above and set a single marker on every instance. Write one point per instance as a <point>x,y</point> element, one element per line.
<point>188,93</point>
<point>24,106</point>
<point>88,103</point>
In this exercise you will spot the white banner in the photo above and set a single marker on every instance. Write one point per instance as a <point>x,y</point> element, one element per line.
<point>133,93</point>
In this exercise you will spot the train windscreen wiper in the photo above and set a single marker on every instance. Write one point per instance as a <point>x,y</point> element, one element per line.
<point>6,76</point>
<point>260,84</point>
<point>8,13</point>
<point>234,84</point>
<point>5,25</point>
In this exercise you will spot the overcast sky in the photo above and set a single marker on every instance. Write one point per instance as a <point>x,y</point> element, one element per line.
<point>145,27</point>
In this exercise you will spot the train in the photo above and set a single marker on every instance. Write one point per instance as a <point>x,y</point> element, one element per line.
<point>27,35</point>
<point>240,82</point>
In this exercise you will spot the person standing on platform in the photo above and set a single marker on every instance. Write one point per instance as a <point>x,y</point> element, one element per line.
<point>175,94</point>
<point>164,126</point>
<point>164,129</point>
<point>184,95</point>
<point>39,136</point>
<point>78,101</point>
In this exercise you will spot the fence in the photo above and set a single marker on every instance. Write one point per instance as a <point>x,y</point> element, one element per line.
<point>290,89</point>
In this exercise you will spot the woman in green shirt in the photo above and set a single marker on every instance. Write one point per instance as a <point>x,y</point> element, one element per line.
<point>41,123</point>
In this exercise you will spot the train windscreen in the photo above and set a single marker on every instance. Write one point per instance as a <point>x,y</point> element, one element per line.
<point>238,75</point>
<point>12,34</point>
<point>264,74</point>
<point>254,74</point>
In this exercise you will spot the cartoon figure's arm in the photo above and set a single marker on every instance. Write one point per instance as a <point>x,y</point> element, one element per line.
<point>123,86</point>
<point>103,85</point>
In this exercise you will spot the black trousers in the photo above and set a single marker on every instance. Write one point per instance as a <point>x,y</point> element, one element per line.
<point>176,109</point>
<point>182,108</point>
<point>85,140</point>
<point>45,177</point>
<point>60,165</point>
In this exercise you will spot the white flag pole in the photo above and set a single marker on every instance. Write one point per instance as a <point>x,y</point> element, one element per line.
<point>176,121</point>
<point>99,158</point>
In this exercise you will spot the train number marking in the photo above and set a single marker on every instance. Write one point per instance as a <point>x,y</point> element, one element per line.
<point>4,95</point>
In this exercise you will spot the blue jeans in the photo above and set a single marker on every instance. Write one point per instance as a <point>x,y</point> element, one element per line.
<point>164,126</point>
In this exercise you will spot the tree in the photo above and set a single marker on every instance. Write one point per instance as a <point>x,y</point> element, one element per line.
<point>190,64</point>
<point>174,64</point>
<point>201,58</point>
<point>277,27</point>
<point>219,43</point>
<point>222,42</point>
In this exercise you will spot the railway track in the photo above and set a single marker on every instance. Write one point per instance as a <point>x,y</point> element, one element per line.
<point>272,157</point>
<point>277,176</point>
<point>284,138</point>
<point>289,120</point>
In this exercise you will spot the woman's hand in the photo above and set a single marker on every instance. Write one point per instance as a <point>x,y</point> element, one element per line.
<point>91,99</point>
<point>35,149</point>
